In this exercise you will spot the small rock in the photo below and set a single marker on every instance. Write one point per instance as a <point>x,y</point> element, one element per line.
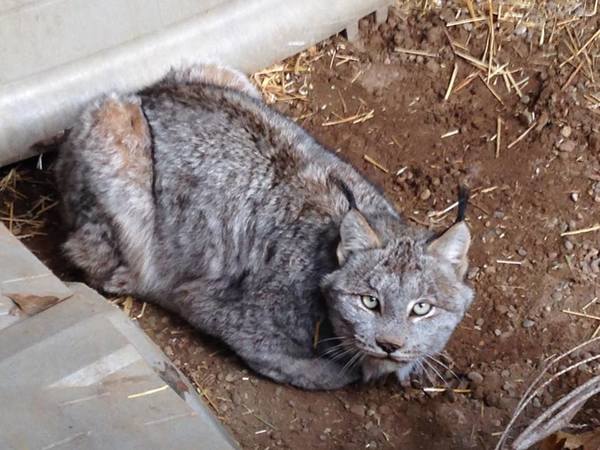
<point>505,402</point>
<point>497,332</point>
<point>492,400</point>
<point>230,377</point>
<point>574,196</point>
<point>451,395</point>
<point>359,410</point>
<point>426,194</point>
<point>521,251</point>
<point>236,398</point>
<point>475,377</point>
<point>520,30</point>
<point>505,373</point>
<point>542,121</point>
<point>447,14</point>
<point>434,34</point>
<point>276,436</point>
<point>399,38</point>
<point>478,392</point>
<point>472,273</point>
<point>479,322</point>
<point>569,245</point>
<point>566,131</point>
<point>384,410</point>
<point>525,99</point>
<point>432,66</point>
<point>567,146</point>
<point>501,309</point>
<point>528,323</point>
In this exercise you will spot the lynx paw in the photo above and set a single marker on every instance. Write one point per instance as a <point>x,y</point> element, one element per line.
<point>120,282</point>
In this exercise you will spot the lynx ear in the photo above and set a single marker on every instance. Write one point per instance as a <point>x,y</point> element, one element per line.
<point>453,246</point>
<point>355,234</point>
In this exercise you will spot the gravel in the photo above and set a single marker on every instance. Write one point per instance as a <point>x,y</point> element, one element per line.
<point>567,146</point>
<point>358,410</point>
<point>528,323</point>
<point>475,377</point>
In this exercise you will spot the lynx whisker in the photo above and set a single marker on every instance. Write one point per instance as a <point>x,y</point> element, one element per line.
<point>425,372</point>
<point>445,366</point>
<point>351,362</point>
<point>439,375</point>
<point>446,357</point>
<point>358,361</point>
<point>334,348</point>
<point>340,354</point>
<point>334,338</point>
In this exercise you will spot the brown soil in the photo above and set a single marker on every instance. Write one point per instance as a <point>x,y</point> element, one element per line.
<point>544,185</point>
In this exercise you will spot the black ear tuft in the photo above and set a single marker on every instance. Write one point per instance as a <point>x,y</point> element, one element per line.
<point>345,190</point>
<point>463,201</point>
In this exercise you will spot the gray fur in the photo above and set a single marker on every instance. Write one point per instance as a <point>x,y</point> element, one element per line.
<point>196,196</point>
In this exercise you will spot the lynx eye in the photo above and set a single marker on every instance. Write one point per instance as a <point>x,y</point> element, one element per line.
<point>421,309</point>
<point>369,302</point>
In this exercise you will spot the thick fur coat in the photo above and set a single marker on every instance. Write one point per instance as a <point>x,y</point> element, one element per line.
<point>196,196</point>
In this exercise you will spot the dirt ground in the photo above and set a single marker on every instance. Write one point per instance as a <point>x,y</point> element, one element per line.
<point>525,273</point>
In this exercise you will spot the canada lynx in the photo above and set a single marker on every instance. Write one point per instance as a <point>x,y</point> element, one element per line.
<point>194,195</point>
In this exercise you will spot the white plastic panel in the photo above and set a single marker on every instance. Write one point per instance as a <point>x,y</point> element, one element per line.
<point>42,34</point>
<point>123,48</point>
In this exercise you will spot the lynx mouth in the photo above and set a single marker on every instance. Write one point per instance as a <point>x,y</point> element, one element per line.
<point>402,360</point>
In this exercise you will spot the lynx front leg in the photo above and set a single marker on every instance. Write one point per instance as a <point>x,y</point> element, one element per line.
<point>91,248</point>
<point>260,342</point>
<point>306,373</point>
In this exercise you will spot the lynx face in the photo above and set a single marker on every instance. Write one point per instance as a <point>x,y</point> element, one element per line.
<point>396,300</point>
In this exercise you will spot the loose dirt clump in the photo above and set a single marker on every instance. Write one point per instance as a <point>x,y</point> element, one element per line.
<point>411,106</point>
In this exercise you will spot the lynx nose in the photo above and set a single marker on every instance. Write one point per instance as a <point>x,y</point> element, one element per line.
<point>389,347</point>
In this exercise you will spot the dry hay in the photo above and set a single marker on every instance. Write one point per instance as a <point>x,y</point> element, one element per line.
<point>23,224</point>
<point>287,81</point>
<point>568,26</point>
